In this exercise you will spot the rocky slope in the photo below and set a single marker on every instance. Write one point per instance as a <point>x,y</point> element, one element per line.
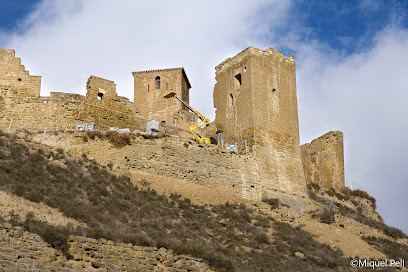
<point>67,211</point>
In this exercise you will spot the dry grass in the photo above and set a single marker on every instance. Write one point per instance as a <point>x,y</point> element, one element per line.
<point>117,139</point>
<point>114,209</point>
<point>357,214</point>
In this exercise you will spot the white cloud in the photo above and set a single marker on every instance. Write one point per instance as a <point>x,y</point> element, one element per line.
<point>364,95</point>
<point>66,42</point>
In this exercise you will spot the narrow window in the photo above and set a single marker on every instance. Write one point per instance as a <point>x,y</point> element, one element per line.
<point>100,95</point>
<point>231,100</point>
<point>148,88</point>
<point>19,79</point>
<point>157,82</point>
<point>238,78</point>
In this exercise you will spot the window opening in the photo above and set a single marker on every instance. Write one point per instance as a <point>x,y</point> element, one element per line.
<point>238,78</point>
<point>100,95</point>
<point>148,88</point>
<point>19,79</point>
<point>231,100</point>
<point>157,82</point>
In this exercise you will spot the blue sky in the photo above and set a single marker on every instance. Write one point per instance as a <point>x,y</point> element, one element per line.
<point>13,11</point>
<point>351,57</point>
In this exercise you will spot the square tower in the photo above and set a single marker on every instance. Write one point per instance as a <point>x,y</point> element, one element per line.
<point>149,89</point>
<point>255,100</point>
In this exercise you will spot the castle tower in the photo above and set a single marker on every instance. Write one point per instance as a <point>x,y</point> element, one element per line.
<point>255,100</point>
<point>149,89</point>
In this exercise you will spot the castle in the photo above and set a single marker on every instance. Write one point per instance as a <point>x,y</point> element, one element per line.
<point>256,104</point>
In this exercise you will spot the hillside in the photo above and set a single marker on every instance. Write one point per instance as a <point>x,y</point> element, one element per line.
<point>97,215</point>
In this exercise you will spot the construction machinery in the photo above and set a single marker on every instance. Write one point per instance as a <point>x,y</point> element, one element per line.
<point>192,129</point>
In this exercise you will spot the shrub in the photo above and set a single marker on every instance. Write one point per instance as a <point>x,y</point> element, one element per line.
<point>346,192</point>
<point>364,194</point>
<point>394,232</point>
<point>117,139</point>
<point>392,249</point>
<point>330,192</point>
<point>273,202</point>
<point>327,216</point>
<point>314,186</point>
<point>314,196</point>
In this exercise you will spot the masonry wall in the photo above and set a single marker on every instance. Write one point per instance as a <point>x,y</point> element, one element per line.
<point>262,109</point>
<point>237,175</point>
<point>15,81</point>
<point>150,100</point>
<point>20,99</point>
<point>323,160</point>
<point>24,251</point>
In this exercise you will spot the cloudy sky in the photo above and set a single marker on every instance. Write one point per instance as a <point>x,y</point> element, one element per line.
<point>351,56</point>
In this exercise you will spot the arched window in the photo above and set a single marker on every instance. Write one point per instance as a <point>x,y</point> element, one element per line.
<point>157,82</point>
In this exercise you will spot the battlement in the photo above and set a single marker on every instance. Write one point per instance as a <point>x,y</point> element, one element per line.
<point>254,51</point>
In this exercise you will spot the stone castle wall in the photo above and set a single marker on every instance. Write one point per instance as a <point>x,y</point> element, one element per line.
<point>24,251</point>
<point>323,160</point>
<point>21,100</point>
<point>175,157</point>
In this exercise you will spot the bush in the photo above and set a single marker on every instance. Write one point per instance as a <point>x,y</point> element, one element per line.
<point>364,194</point>
<point>392,249</point>
<point>327,216</point>
<point>117,139</point>
<point>314,186</point>
<point>273,202</point>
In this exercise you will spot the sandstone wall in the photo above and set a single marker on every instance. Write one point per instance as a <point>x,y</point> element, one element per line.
<point>20,99</point>
<point>323,160</point>
<point>255,99</point>
<point>151,103</point>
<point>15,81</point>
<point>24,251</point>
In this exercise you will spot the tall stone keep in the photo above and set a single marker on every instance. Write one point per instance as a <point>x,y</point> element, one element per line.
<point>150,87</point>
<point>255,100</point>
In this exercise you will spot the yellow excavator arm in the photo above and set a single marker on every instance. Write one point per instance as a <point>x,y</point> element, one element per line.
<point>192,129</point>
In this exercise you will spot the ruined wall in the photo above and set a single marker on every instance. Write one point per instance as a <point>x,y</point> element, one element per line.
<point>323,160</point>
<point>24,251</point>
<point>148,96</point>
<point>20,99</point>
<point>15,81</point>
<point>255,99</point>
